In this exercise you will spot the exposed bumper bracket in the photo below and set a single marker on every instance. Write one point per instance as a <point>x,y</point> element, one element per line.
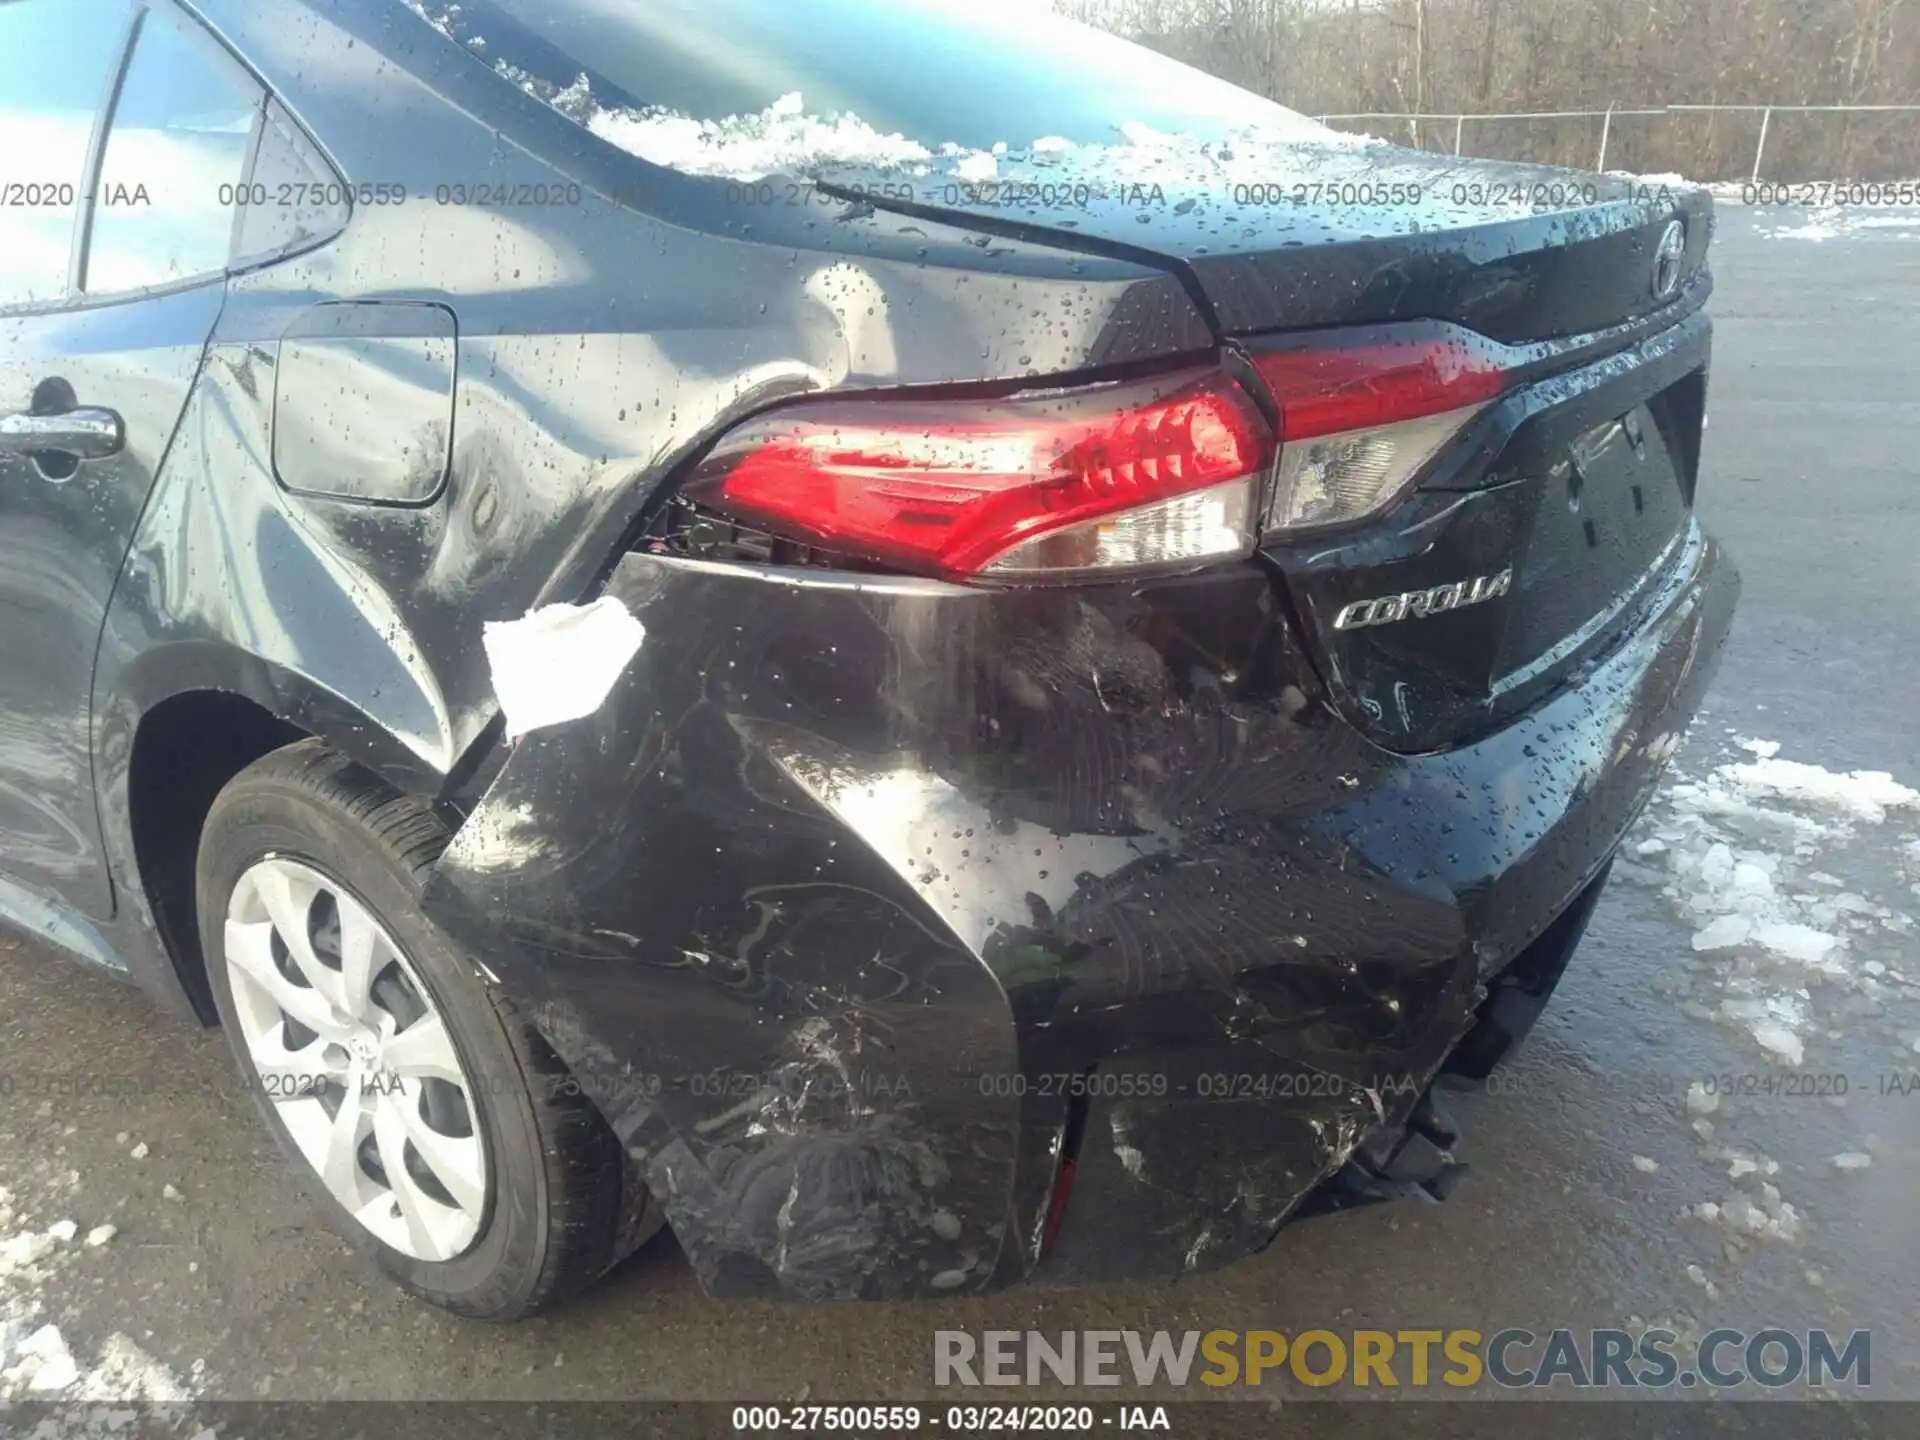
<point>1414,1161</point>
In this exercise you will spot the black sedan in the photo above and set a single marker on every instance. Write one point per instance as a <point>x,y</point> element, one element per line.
<point>895,634</point>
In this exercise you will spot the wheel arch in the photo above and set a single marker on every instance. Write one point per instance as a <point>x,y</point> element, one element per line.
<point>182,721</point>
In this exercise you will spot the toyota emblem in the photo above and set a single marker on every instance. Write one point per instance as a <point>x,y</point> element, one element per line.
<point>1667,259</point>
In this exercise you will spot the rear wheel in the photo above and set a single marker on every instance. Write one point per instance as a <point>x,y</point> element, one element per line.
<point>433,1125</point>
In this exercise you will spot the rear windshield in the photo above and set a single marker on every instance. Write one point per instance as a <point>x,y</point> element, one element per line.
<point>939,75</point>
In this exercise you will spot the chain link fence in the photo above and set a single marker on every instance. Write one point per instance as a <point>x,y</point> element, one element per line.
<point>1703,142</point>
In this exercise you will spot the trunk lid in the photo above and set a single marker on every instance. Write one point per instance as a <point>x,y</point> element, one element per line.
<point>1306,235</point>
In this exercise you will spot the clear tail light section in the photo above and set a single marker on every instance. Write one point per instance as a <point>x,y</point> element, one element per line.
<point>1117,477</point>
<point>1358,422</point>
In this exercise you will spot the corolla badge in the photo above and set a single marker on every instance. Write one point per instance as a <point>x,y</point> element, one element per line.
<point>1415,603</point>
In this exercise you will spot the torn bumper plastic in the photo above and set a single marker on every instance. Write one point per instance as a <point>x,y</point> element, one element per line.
<point>859,902</point>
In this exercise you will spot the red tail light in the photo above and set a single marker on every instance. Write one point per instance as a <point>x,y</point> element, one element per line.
<point>1140,473</point>
<point>1358,423</point>
<point>1105,478</point>
<point>1325,391</point>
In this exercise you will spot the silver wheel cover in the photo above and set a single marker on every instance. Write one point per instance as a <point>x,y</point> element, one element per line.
<point>351,1050</point>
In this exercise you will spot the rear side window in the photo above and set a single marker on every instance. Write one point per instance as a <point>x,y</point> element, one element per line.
<point>970,73</point>
<point>175,156</point>
<point>293,200</point>
<point>55,56</point>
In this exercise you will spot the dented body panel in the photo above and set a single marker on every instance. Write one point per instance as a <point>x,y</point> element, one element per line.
<point>854,889</point>
<point>580,387</point>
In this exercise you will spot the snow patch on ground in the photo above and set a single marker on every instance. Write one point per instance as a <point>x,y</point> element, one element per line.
<point>1779,1041</point>
<point>1755,1209</point>
<point>1864,794</point>
<point>1743,854</point>
<point>1803,947</point>
<point>1839,223</point>
<point>1740,192</point>
<point>37,1361</point>
<point>1668,178</point>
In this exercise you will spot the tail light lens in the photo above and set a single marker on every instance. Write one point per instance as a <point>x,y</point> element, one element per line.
<point>1103,478</point>
<point>1130,476</point>
<point>1359,422</point>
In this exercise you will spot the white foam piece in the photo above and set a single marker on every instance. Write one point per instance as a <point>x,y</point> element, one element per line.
<point>558,663</point>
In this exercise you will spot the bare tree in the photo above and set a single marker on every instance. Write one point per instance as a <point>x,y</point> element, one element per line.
<point>1448,56</point>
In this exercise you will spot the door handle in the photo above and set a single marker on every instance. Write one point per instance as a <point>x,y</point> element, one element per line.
<point>86,433</point>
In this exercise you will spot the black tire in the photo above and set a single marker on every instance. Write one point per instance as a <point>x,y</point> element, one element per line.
<point>563,1206</point>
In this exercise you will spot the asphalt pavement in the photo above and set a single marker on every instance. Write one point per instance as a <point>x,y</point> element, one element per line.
<point>1588,1163</point>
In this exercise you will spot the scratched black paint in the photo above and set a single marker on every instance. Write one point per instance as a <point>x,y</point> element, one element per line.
<point>951,835</point>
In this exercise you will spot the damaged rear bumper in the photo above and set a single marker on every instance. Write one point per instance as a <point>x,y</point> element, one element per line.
<point>860,904</point>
